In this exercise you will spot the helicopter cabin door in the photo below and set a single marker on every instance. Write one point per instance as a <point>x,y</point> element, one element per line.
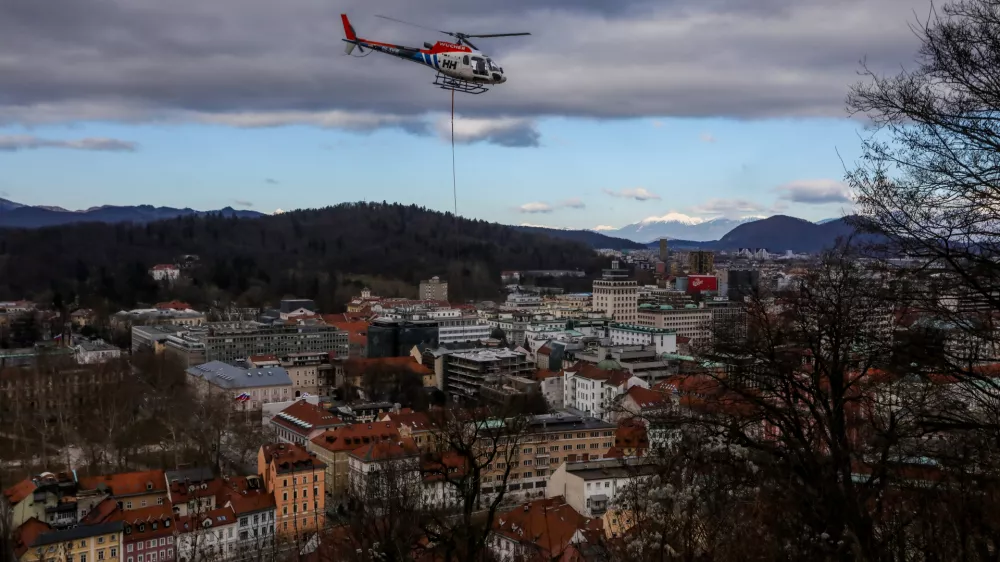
<point>479,68</point>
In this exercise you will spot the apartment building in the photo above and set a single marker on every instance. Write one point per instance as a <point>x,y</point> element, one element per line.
<point>548,441</point>
<point>333,446</point>
<point>689,321</point>
<point>37,542</point>
<point>455,326</point>
<point>296,478</point>
<point>465,372</point>
<point>434,289</point>
<point>701,262</point>
<point>594,391</point>
<point>231,341</point>
<point>302,421</point>
<point>591,486</point>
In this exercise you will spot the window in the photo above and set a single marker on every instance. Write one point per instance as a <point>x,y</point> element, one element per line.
<point>142,503</point>
<point>100,554</point>
<point>284,496</point>
<point>129,547</point>
<point>163,541</point>
<point>607,484</point>
<point>159,501</point>
<point>315,478</point>
<point>114,551</point>
<point>305,492</point>
<point>305,506</point>
<point>284,483</point>
<point>243,521</point>
<point>83,558</point>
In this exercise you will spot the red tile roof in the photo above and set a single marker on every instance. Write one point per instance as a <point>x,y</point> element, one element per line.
<point>386,450</point>
<point>350,437</point>
<point>316,416</point>
<point>19,491</point>
<point>289,457</point>
<point>244,498</point>
<point>549,525</point>
<point>631,434</point>
<point>357,330</point>
<point>173,305</point>
<point>128,483</point>
<point>218,517</point>
<point>646,398</point>
<point>416,421</point>
<point>358,366</point>
<point>542,374</point>
<point>262,358</point>
<point>27,534</point>
<point>102,512</point>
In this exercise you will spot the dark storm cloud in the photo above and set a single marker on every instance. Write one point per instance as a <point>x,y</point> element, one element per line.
<point>257,63</point>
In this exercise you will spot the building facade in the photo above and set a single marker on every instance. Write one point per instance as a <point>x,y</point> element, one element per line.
<point>663,340</point>
<point>434,289</point>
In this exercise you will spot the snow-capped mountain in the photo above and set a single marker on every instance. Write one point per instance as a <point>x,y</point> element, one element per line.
<point>824,221</point>
<point>677,226</point>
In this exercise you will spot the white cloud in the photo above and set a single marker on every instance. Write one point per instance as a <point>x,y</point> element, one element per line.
<point>573,203</point>
<point>815,192</point>
<point>502,131</point>
<point>729,208</point>
<point>707,137</point>
<point>13,143</point>
<point>674,217</point>
<point>602,228</point>
<point>637,193</point>
<point>536,207</point>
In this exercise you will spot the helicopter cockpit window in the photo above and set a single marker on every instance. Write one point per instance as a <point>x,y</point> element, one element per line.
<point>465,60</point>
<point>479,66</point>
<point>493,65</point>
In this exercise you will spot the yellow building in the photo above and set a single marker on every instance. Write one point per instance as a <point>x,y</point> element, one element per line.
<point>36,542</point>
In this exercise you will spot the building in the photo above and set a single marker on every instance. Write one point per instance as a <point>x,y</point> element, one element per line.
<point>296,478</point>
<point>165,272</point>
<point>664,251</point>
<point>302,421</point>
<point>207,535</point>
<point>456,326</point>
<point>590,487</point>
<point>255,511</point>
<point>249,387</point>
<point>357,333</point>
<point>311,372</point>
<point>551,385</point>
<point>82,543</point>
<point>701,262</point>
<point>95,351</point>
<point>230,341</point>
<point>697,284</point>
<point>157,316</point>
<point>689,321</point>
<point>333,446</point>
<point>465,372</point>
<point>434,289</point>
<point>663,340</point>
<point>615,295</point>
<point>396,338</point>
<point>545,529</point>
<point>595,391</point>
<point>147,533</point>
<point>742,283</point>
<point>153,338</point>
<point>379,471</point>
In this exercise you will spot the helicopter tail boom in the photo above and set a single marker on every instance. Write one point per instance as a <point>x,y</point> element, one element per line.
<point>351,36</point>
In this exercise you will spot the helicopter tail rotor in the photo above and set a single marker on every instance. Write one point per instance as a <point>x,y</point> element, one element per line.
<point>351,36</point>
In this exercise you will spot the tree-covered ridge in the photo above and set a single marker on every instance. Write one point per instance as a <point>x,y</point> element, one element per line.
<point>304,253</point>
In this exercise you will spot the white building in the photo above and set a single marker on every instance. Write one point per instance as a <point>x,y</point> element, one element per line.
<point>165,272</point>
<point>594,391</point>
<point>663,339</point>
<point>455,327</point>
<point>590,487</point>
<point>551,384</point>
<point>96,351</point>
<point>690,321</point>
<point>523,300</point>
<point>207,536</point>
<point>616,295</point>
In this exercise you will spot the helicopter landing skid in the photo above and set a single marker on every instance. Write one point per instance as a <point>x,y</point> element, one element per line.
<point>458,85</point>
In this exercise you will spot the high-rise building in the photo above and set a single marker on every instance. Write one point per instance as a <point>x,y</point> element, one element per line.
<point>434,289</point>
<point>395,338</point>
<point>742,283</point>
<point>616,295</point>
<point>664,252</point>
<point>701,262</point>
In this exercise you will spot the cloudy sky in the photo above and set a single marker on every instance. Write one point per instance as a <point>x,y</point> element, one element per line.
<point>614,110</point>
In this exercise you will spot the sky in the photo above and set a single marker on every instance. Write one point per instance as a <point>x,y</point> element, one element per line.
<point>613,111</point>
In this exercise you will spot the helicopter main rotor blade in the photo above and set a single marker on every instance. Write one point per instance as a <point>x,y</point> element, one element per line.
<point>414,24</point>
<point>498,35</point>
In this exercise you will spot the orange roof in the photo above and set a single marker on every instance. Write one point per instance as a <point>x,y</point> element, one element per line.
<point>592,372</point>
<point>289,457</point>
<point>357,330</point>
<point>386,450</point>
<point>549,525</point>
<point>262,358</point>
<point>244,498</point>
<point>631,434</point>
<point>128,483</point>
<point>19,491</point>
<point>180,492</point>
<point>104,511</point>
<point>544,350</point>
<point>315,416</point>
<point>542,374</point>
<point>27,534</point>
<point>647,398</point>
<point>350,437</point>
<point>219,517</point>
<point>435,466</point>
<point>416,421</point>
<point>361,365</point>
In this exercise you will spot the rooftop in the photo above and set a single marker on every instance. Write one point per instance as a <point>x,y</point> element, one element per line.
<point>127,483</point>
<point>350,437</point>
<point>610,468</point>
<point>227,376</point>
<point>288,457</point>
<point>560,421</point>
<point>303,417</point>
<point>641,329</point>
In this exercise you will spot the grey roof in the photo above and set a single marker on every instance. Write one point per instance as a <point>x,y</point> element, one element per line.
<point>227,376</point>
<point>160,331</point>
<point>566,422</point>
<point>96,346</point>
<point>610,468</point>
<point>81,532</point>
<point>197,474</point>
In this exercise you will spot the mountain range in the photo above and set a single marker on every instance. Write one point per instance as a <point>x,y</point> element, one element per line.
<point>16,215</point>
<point>678,227</point>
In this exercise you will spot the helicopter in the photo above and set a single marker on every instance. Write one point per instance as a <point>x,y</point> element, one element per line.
<point>461,66</point>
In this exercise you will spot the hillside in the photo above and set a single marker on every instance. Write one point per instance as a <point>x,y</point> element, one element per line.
<point>593,239</point>
<point>17,215</point>
<point>777,233</point>
<point>309,253</point>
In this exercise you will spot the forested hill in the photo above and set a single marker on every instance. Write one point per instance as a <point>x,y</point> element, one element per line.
<point>308,253</point>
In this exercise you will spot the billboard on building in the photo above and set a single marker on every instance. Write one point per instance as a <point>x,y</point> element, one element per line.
<point>699,283</point>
